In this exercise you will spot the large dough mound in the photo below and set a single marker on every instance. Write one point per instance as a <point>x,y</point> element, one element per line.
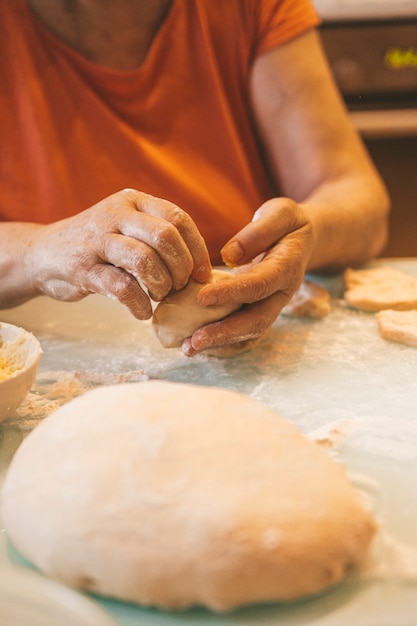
<point>179,314</point>
<point>174,495</point>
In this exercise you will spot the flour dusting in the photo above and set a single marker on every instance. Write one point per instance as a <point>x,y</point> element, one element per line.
<point>54,388</point>
<point>391,559</point>
<point>387,437</point>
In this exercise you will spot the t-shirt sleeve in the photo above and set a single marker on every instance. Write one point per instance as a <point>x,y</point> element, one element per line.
<point>280,21</point>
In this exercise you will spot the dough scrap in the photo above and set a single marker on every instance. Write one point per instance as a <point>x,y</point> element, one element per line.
<point>179,314</point>
<point>380,288</point>
<point>174,495</point>
<point>310,300</point>
<point>400,326</point>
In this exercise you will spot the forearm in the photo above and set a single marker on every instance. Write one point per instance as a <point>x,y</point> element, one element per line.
<point>349,219</point>
<point>16,285</point>
<point>316,156</point>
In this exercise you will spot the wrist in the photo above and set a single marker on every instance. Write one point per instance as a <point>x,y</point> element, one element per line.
<point>17,263</point>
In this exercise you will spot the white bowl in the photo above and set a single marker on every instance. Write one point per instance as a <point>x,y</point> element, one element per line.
<point>26,351</point>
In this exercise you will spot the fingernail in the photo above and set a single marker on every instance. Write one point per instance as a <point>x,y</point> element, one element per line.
<point>178,285</point>
<point>202,273</point>
<point>208,300</point>
<point>233,252</point>
<point>256,215</point>
<point>187,348</point>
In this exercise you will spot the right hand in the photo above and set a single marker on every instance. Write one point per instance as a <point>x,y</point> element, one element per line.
<point>131,246</point>
<point>270,256</point>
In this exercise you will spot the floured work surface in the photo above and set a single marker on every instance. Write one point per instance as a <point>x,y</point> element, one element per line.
<point>334,378</point>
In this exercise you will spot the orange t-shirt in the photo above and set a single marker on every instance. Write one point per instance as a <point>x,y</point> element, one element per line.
<point>178,127</point>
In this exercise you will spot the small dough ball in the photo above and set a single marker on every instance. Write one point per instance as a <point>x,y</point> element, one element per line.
<point>310,300</point>
<point>179,314</point>
<point>175,495</point>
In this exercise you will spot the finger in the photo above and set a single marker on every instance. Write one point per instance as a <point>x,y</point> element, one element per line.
<point>117,284</point>
<point>185,226</point>
<point>162,237</point>
<point>231,349</point>
<point>281,270</point>
<point>272,221</point>
<point>141,261</point>
<point>247,324</point>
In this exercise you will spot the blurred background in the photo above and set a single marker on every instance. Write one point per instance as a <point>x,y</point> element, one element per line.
<point>372,49</point>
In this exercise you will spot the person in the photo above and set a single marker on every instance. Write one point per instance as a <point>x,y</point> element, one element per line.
<point>144,141</point>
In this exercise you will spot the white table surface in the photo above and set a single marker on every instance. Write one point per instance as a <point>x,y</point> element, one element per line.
<point>334,378</point>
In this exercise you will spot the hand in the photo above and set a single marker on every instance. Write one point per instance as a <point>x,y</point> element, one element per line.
<point>130,247</point>
<point>271,253</point>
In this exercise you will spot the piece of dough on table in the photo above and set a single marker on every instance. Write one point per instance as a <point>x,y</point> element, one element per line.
<point>310,300</point>
<point>380,288</point>
<point>399,326</point>
<point>174,495</point>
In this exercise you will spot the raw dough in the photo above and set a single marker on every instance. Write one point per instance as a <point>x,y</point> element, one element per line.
<point>398,326</point>
<point>310,300</point>
<point>179,315</point>
<point>173,495</point>
<point>380,288</point>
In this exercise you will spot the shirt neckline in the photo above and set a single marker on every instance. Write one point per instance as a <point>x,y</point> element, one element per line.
<point>70,52</point>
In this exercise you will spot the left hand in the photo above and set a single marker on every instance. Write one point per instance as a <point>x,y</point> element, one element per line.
<point>270,254</point>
